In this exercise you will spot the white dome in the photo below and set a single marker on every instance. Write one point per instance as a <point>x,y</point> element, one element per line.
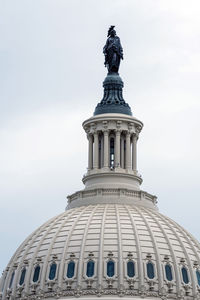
<point>102,233</point>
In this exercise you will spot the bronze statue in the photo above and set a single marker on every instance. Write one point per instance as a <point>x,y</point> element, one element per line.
<point>113,51</point>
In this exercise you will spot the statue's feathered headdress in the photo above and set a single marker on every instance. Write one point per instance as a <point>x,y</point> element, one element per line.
<point>110,29</point>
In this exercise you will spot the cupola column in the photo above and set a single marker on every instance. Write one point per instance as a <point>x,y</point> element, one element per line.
<point>134,153</point>
<point>128,151</point>
<point>96,151</point>
<point>90,151</point>
<point>117,148</point>
<point>122,151</point>
<point>105,155</point>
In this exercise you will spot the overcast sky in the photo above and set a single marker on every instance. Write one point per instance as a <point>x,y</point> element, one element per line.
<point>51,73</point>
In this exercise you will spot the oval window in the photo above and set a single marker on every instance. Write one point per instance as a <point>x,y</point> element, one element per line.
<point>52,271</point>
<point>22,277</point>
<point>168,272</point>
<point>110,268</point>
<point>36,274</point>
<point>11,280</point>
<point>130,269</point>
<point>185,275</point>
<point>198,277</point>
<point>90,268</point>
<point>150,270</point>
<point>70,269</point>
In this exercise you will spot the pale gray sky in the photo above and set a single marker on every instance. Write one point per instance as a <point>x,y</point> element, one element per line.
<point>51,73</point>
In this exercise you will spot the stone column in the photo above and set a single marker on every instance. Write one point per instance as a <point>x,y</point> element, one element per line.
<point>96,151</point>
<point>128,151</point>
<point>105,148</point>
<point>102,151</point>
<point>117,149</point>
<point>134,153</point>
<point>122,152</point>
<point>90,151</point>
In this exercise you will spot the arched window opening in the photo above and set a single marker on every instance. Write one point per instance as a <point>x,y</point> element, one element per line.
<point>168,272</point>
<point>22,277</point>
<point>185,275</point>
<point>90,268</point>
<point>150,270</point>
<point>52,271</point>
<point>130,269</point>
<point>70,269</point>
<point>36,274</point>
<point>112,153</point>
<point>11,279</point>
<point>198,277</point>
<point>110,268</point>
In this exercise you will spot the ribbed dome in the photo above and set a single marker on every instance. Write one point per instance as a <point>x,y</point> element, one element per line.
<point>160,253</point>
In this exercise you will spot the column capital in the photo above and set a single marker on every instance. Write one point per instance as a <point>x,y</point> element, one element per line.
<point>105,131</point>
<point>95,133</point>
<point>138,129</point>
<point>89,135</point>
<point>118,124</point>
<point>93,127</point>
<point>135,136</point>
<point>105,125</point>
<point>118,131</point>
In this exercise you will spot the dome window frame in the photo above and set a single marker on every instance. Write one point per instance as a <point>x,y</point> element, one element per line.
<point>165,272</point>
<point>113,259</point>
<point>23,272</point>
<point>52,263</point>
<point>150,260</point>
<point>87,270</point>
<point>3,280</point>
<point>74,270</point>
<point>197,271</point>
<point>37,265</point>
<point>73,258</point>
<point>183,266</point>
<point>11,280</point>
<point>110,261</point>
<point>126,261</point>
<point>90,258</point>
<point>150,268</point>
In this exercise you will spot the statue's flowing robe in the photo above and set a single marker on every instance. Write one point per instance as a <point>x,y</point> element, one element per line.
<point>113,53</point>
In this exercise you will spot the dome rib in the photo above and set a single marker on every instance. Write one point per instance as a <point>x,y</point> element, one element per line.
<point>120,252</point>
<point>158,266</point>
<point>169,223</point>
<point>26,246</point>
<point>101,248</point>
<point>81,257</point>
<point>177,276</point>
<point>47,257</point>
<point>32,262</point>
<point>138,248</point>
<point>186,235</point>
<point>64,254</point>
